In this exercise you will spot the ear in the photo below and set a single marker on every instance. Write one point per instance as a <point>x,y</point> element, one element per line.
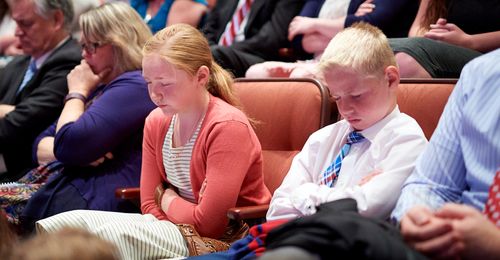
<point>392,76</point>
<point>58,20</point>
<point>202,76</point>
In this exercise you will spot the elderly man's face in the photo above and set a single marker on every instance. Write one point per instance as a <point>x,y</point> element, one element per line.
<point>35,32</point>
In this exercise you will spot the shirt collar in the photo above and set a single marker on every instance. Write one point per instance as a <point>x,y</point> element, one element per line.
<point>372,131</point>
<point>45,56</point>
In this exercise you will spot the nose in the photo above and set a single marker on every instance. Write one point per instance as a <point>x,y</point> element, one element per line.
<point>18,32</point>
<point>85,54</point>
<point>345,108</point>
<point>155,95</point>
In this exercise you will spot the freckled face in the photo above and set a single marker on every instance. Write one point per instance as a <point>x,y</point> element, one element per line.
<point>171,89</point>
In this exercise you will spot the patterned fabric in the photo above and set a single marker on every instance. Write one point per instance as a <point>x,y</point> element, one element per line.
<point>238,17</point>
<point>332,172</point>
<point>137,236</point>
<point>249,247</point>
<point>492,207</point>
<point>14,195</point>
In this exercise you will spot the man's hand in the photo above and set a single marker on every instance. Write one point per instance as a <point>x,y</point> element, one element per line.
<point>5,109</point>
<point>431,235</point>
<point>479,238</point>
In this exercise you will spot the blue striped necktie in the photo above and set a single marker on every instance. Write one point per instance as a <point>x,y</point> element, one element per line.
<point>28,75</point>
<point>332,172</point>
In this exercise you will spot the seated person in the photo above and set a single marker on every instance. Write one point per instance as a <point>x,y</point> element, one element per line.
<point>445,35</point>
<point>66,244</point>
<point>197,142</point>
<point>33,86</point>
<point>369,154</point>
<point>394,18</point>
<point>242,34</point>
<point>460,165</point>
<point>160,13</point>
<point>98,137</point>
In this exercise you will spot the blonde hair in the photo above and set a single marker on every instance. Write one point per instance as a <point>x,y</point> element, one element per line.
<point>361,47</point>
<point>67,243</point>
<point>187,49</point>
<point>119,25</point>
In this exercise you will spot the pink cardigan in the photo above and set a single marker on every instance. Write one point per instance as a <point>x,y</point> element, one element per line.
<point>227,154</point>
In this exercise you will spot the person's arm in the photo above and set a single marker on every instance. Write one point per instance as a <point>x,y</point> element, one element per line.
<point>452,34</point>
<point>306,25</point>
<point>43,146</point>
<point>231,151</point>
<point>315,43</point>
<point>186,11</point>
<point>300,173</point>
<point>5,109</point>
<point>41,107</point>
<point>429,234</point>
<point>416,28</point>
<point>439,174</point>
<point>112,118</point>
<point>377,197</point>
<point>151,171</point>
<point>83,81</point>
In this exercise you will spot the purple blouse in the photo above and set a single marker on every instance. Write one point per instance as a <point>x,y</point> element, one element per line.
<point>112,123</point>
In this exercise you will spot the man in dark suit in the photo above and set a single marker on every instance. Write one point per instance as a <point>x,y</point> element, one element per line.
<point>32,87</point>
<point>259,39</point>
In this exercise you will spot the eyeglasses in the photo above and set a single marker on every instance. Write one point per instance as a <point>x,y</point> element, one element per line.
<point>91,47</point>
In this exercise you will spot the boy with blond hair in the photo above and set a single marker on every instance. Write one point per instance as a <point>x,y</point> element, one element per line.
<point>369,153</point>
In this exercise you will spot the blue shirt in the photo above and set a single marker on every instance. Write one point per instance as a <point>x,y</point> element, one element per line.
<point>463,155</point>
<point>159,21</point>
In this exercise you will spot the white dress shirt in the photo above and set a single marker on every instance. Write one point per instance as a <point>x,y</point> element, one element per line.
<point>390,146</point>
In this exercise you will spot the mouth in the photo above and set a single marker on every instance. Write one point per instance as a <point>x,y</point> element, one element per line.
<point>353,120</point>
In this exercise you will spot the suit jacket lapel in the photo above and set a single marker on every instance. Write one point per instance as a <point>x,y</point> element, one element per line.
<point>15,82</point>
<point>254,11</point>
<point>33,79</point>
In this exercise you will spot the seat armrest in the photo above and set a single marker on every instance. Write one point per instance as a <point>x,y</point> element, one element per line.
<point>248,212</point>
<point>128,193</point>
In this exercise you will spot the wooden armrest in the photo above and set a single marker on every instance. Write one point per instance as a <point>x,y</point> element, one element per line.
<point>249,212</point>
<point>128,193</point>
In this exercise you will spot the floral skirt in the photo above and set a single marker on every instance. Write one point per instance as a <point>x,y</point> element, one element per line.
<point>14,195</point>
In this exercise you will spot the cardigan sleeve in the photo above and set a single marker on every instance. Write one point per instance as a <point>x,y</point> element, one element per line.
<point>110,120</point>
<point>231,151</point>
<point>151,174</point>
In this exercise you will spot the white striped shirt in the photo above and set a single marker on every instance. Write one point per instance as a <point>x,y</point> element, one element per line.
<point>463,155</point>
<point>176,161</point>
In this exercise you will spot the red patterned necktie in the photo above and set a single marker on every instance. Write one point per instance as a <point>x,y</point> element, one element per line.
<point>229,34</point>
<point>492,207</point>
